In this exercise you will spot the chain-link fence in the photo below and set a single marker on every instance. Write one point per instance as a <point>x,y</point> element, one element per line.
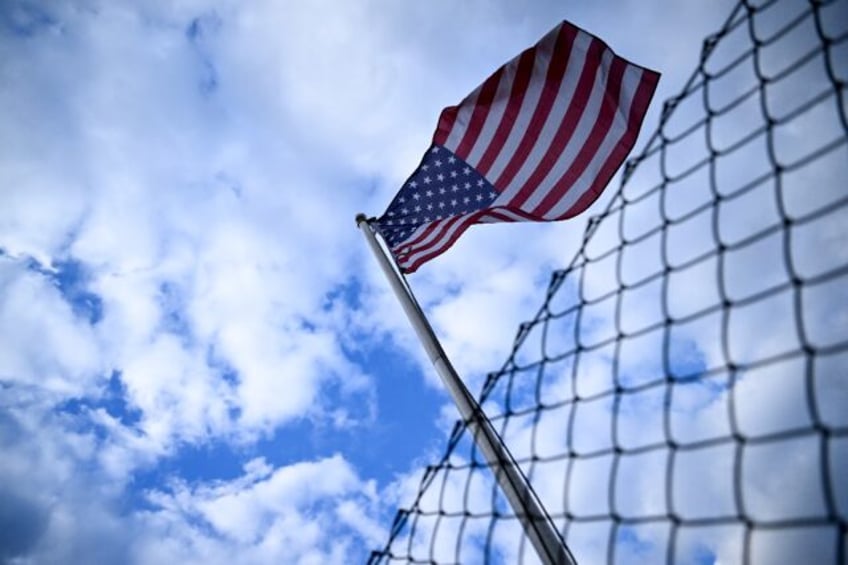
<point>682,394</point>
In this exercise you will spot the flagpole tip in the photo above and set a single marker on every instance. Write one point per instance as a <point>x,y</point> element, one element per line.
<point>361,218</point>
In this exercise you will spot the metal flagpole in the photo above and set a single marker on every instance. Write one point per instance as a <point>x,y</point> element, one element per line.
<point>537,524</point>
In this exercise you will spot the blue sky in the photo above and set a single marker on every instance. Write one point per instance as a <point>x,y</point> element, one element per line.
<point>199,361</point>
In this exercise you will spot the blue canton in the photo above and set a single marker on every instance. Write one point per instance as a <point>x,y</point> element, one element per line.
<point>441,187</point>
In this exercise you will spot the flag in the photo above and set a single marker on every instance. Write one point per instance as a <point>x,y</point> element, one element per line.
<point>538,141</point>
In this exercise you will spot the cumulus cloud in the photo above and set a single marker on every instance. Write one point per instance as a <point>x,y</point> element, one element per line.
<point>179,264</point>
<point>45,344</point>
<point>263,516</point>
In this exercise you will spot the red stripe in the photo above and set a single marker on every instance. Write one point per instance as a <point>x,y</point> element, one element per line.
<point>518,212</point>
<point>609,109</point>
<point>431,227</point>
<point>644,93</point>
<point>496,218</point>
<point>576,107</point>
<point>516,97</point>
<point>556,70</point>
<point>442,245</point>
<point>400,250</point>
<point>442,228</point>
<point>478,117</point>
<point>446,121</point>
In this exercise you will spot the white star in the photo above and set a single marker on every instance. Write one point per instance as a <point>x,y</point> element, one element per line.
<point>467,185</point>
<point>453,202</point>
<point>438,216</point>
<point>492,194</point>
<point>425,166</point>
<point>479,197</point>
<point>442,190</point>
<point>413,184</point>
<point>454,188</point>
<point>466,171</point>
<point>480,182</point>
<point>451,160</point>
<point>427,180</point>
<point>434,150</point>
<point>418,208</point>
<point>426,219</point>
<point>429,206</point>
<point>416,196</point>
<point>401,199</point>
<point>429,193</point>
<point>437,163</point>
<point>441,205</point>
<point>405,211</point>
<point>466,200</point>
<point>440,176</point>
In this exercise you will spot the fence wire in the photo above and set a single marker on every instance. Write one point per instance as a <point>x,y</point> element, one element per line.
<point>682,394</point>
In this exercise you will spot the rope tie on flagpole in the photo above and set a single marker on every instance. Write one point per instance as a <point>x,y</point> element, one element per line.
<point>679,396</point>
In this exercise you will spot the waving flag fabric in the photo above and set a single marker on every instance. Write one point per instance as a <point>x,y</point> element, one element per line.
<point>537,141</point>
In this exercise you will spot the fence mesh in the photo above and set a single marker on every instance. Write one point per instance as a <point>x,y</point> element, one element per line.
<point>682,394</point>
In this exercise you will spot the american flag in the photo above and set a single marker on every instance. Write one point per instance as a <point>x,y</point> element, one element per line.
<point>537,141</point>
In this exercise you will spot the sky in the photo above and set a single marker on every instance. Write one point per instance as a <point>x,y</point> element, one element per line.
<point>199,360</point>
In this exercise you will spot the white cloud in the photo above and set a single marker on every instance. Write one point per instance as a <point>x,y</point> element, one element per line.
<point>203,163</point>
<point>67,509</point>
<point>45,345</point>
<point>268,515</point>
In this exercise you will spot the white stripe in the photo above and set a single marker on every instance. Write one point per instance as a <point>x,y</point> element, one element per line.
<point>501,213</point>
<point>443,241</point>
<point>496,112</point>
<point>585,126</point>
<point>501,200</point>
<point>399,247</point>
<point>463,117</point>
<point>630,83</point>
<point>531,99</point>
<point>561,104</point>
<point>419,231</point>
<point>439,241</point>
